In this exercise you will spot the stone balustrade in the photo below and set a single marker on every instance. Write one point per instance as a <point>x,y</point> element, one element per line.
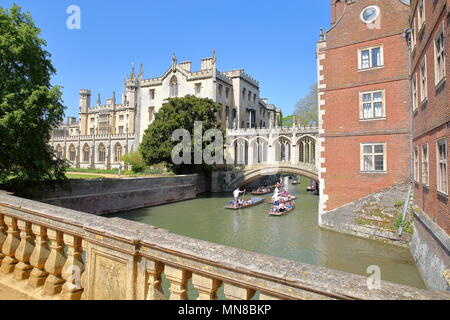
<point>49,252</point>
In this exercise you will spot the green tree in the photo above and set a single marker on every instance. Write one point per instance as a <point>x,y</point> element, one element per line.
<point>29,105</point>
<point>177,113</point>
<point>306,109</point>
<point>288,121</point>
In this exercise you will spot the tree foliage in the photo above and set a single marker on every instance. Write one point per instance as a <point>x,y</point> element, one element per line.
<point>307,110</point>
<point>177,113</point>
<point>29,105</point>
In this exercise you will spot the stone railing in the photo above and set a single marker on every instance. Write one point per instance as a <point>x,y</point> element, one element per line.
<point>119,136</point>
<point>54,253</point>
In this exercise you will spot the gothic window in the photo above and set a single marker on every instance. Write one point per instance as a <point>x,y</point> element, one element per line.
<point>198,89</point>
<point>241,152</point>
<point>307,151</point>
<point>59,152</point>
<point>174,87</point>
<point>152,94</point>
<point>101,153</point>
<point>86,153</point>
<point>283,150</point>
<point>260,151</point>
<point>120,129</point>
<point>72,153</point>
<point>117,153</point>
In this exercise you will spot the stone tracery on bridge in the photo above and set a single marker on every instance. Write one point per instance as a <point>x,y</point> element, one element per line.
<point>261,152</point>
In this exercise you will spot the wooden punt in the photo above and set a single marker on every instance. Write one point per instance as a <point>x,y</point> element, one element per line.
<point>280,214</point>
<point>256,201</point>
<point>293,198</point>
<point>256,193</point>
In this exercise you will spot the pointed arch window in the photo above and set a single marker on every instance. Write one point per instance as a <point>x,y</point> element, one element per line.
<point>101,153</point>
<point>86,153</point>
<point>72,153</point>
<point>117,153</point>
<point>174,87</point>
<point>59,152</point>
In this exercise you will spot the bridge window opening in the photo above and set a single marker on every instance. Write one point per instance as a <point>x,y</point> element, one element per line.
<point>283,150</point>
<point>260,152</point>
<point>307,151</point>
<point>241,152</point>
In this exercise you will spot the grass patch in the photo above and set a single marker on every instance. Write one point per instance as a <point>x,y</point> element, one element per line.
<point>83,176</point>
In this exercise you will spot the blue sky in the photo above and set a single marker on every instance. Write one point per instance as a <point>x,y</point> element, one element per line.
<point>274,41</point>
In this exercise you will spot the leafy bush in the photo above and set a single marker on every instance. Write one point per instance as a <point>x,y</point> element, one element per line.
<point>135,160</point>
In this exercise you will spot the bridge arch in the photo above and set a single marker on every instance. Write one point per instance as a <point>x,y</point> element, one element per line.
<point>252,174</point>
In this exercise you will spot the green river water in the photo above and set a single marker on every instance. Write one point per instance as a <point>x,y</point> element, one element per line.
<point>295,236</point>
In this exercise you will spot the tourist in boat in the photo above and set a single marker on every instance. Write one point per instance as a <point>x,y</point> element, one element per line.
<point>236,194</point>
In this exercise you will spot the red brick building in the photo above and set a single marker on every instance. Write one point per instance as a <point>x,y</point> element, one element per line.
<point>363,100</point>
<point>429,24</point>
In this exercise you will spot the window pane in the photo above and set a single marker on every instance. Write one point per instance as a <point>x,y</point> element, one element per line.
<point>376,57</point>
<point>379,149</point>
<point>378,106</point>
<point>378,96</point>
<point>379,163</point>
<point>367,97</point>
<point>368,149</point>
<point>365,60</point>
<point>367,110</point>
<point>368,165</point>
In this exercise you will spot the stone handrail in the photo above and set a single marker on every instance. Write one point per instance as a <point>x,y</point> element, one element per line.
<point>54,253</point>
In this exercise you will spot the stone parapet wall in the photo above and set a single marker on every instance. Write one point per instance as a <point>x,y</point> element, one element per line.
<point>55,253</point>
<point>115,195</point>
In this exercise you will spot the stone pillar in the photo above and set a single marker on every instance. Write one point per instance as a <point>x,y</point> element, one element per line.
<point>55,262</point>
<point>250,154</point>
<point>10,246</point>
<point>73,268</point>
<point>39,257</point>
<point>294,154</point>
<point>153,290</point>
<point>2,237</point>
<point>233,292</point>
<point>178,279</point>
<point>24,251</point>
<point>207,287</point>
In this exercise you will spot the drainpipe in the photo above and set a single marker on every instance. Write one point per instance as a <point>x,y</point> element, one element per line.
<point>407,36</point>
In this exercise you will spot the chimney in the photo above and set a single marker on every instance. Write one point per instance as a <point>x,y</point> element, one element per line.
<point>207,63</point>
<point>186,65</point>
<point>337,9</point>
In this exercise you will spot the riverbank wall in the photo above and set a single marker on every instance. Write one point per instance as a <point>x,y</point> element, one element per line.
<point>430,247</point>
<point>106,196</point>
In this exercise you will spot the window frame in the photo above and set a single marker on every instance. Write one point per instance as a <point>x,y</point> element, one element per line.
<point>361,105</point>
<point>371,67</point>
<point>423,78</point>
<point>425,164</point>
<point>439,161</point>
<point>421,20</point>
<point>373,154</point>
<point>415,95</point>
<point>417,164</point>
<point>437,74</point>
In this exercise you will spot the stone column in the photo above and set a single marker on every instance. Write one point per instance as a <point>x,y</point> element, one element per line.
<point>178,279</point>
<point>39,257</point>
<point>10,246</point>
<point>55,263</point>
<point>233,292</point>
<point>72,270</point>
<point>207,287</point>
<point>24,251</point>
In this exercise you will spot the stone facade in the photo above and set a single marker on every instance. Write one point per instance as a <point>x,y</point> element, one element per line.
<point>105,132</point>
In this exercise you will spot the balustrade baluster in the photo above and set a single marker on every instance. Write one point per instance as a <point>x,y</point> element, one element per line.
<point>10,245</point>
<point>73,268</point>
<point>24,251</point>
<point>55,262</point>
<point>207,287</point>
<point>84,274</point>
<point>2,237</point>
<point>178,279</point>
<point>234,292</point>
<point>39,257</point>
<point>154,271</point>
